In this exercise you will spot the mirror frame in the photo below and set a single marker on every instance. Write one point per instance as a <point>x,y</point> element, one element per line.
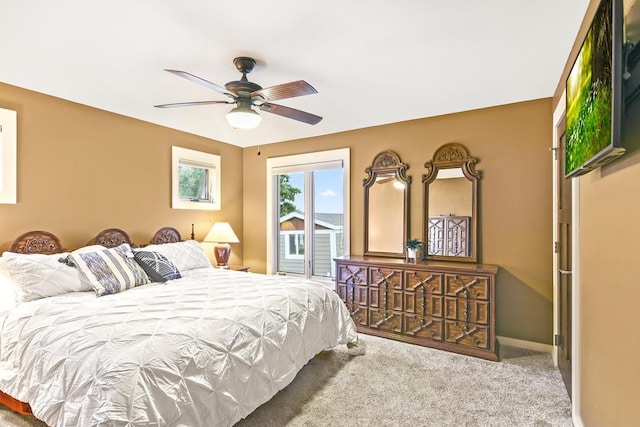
<point>386,163</point>
<point>449,156</point>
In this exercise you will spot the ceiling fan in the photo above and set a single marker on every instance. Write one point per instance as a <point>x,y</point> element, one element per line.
<point>246,94</point>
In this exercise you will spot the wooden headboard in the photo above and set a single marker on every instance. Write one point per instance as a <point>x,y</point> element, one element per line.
<point>43,242</point>
<point>112,237</point>
<point>37,242</point>
<point>166,235</point>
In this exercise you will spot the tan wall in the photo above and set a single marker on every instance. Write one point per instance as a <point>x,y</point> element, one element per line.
<point>608,259</point>
<point>81,170</point>
<point>609,290</point>
<point>512,143</point>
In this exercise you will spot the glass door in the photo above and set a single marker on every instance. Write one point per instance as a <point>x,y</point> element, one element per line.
<point>310,229</point>
<point>291,226</point>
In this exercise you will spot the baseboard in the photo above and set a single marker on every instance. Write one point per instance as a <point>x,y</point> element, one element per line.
<point>527,345</point>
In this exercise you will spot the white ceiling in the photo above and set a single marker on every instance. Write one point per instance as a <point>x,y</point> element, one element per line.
<point>373,62</point>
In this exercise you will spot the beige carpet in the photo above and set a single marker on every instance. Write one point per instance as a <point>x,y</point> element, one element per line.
<point>387,383</point>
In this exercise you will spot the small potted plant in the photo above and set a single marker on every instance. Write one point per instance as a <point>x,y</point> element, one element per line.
<point>412,246</point>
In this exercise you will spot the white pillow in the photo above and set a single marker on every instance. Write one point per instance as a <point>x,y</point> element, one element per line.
<point>38,276</point>
<point>7,291</point>
<point>186,255</point>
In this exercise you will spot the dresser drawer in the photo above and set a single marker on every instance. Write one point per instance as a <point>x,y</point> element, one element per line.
<point>423,327</point>
<point>468,335</point>
<point>356,298</point>
<point>466,310</point>
<point>467,286</point>
<point>385,277</point>
<point>423,304</point>
<point>352,274</point>
<point>385,299</point>
<point>385,321</point>
<point>431,282</point>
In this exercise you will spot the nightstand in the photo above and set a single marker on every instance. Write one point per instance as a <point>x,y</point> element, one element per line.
<point>238,268</point>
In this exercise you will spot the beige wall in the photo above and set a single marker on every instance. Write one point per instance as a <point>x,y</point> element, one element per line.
<point>609,320</point>
<point>81,170</point>
<point>609,290</point>
<point>512,143</point>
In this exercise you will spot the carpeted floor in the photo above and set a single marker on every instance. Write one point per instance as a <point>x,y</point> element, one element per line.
<point>385,383</point>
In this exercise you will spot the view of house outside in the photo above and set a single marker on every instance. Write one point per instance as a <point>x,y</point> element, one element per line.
<point>328,220</point>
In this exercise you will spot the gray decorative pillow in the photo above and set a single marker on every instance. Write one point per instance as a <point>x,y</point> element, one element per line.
<point>157,266</point>
<point>110,271</point>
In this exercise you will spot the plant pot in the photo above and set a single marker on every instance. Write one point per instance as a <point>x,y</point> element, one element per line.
<point>411,255</point>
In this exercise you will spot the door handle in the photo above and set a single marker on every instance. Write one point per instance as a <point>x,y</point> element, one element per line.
<point>565,271</point>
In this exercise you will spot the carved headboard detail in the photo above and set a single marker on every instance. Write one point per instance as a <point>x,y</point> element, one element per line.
<point>37,242</point>
<point>112,237</point>
<point>166,235</point>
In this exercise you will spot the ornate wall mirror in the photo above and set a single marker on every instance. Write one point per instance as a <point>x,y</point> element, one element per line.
<point>386,206</point>
<point>451,205</point>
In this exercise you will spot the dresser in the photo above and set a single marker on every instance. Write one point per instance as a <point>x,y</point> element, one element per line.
<point>444,305</point>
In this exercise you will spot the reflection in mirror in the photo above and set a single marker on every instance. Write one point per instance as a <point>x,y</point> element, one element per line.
<point>450,209</point>
<point>385,225</point>
<point>386,192</point>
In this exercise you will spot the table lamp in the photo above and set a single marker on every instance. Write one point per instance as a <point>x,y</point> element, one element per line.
<point>221,234</point>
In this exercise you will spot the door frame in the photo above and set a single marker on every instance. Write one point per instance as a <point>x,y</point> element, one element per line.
<point>558,115</point>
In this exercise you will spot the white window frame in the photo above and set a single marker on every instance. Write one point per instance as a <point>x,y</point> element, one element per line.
<point>296,162</point>
<point>8,156</point>
<point>287,244</point>
<point>209,161</point>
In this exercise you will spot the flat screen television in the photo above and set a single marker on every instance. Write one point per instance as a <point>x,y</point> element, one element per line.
<point>594,109</point>
<point>630,132</point>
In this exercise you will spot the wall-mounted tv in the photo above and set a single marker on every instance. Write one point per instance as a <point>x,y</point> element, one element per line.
<point>594,94</point>
<point>630,132</point>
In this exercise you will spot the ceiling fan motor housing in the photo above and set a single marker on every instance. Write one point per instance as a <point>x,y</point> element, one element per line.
<point>243,87</point>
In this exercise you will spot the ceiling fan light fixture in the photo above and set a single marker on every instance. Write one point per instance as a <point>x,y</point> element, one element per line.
<point>243,117</point>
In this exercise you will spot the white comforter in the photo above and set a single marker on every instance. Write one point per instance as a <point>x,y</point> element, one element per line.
<point>204,350</point>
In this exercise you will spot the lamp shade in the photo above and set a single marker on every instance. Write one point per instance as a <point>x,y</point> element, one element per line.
<point>243,117</point>
<point>222,234</point>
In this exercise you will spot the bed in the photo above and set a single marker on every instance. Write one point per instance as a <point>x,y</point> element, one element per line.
<point>204,348</point>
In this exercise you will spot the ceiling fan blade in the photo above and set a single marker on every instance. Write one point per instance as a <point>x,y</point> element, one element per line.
<point>203,82</point>
<point>285,90</point>
<point>190,104</point>
<point>291,113</point>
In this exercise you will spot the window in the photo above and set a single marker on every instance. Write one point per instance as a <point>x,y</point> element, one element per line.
<point>194,182</point>
<point>308,197</point>
<point>195,179</point>
<point>294,245</point>
<point>8,149</point>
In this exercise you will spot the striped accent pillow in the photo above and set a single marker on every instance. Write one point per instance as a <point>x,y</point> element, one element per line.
<point>110,271</point>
